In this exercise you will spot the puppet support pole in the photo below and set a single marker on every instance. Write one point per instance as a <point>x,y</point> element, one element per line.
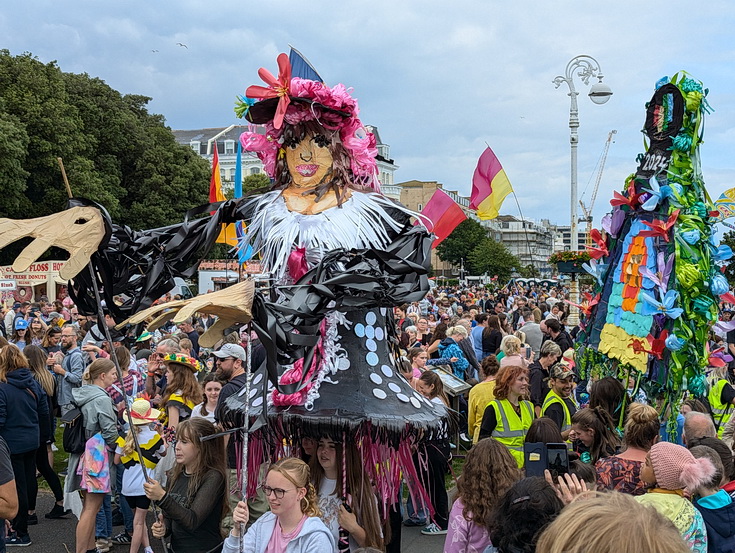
<point>113,356</point>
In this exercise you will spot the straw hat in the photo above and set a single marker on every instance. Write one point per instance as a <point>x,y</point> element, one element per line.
<point>142,413</point>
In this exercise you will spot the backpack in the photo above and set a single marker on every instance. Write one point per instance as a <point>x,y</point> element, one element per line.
<point>74,439</point>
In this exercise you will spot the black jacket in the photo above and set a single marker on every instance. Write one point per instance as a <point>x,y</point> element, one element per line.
<point>24,413</point>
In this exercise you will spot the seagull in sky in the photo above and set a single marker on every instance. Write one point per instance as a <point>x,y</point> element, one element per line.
<point>182,44</point>
<point>154,51</point>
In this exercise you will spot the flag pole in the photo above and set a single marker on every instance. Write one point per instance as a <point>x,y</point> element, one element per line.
<point>523,222</point>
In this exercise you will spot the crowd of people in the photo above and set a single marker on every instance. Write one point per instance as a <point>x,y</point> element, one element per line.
<point>632,476</point>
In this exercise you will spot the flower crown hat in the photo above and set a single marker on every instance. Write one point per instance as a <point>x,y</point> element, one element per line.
<point>296,100</point>
<point>181,359</point>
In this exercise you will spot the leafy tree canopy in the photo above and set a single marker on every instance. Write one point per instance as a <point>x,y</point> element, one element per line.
<point>491,257</point>
<point>463,239</point>
<point>114,151</point>
<point>728,239</point>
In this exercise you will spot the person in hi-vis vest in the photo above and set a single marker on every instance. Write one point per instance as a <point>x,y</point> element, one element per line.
<point>558,404</point>
<point>721,398</point>
<point>508,417</point>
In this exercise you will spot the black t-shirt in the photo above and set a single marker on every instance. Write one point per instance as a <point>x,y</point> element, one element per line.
<point>194,337</point>
<point>556,412</point>
<point>539,386</point>
<point>232,387</point>
<point>727,394</point>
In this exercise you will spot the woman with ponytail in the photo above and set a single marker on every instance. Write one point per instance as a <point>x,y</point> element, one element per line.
<point>668,470</point>
<point>621,472</point>
<point>596,430</point>
<point>293,523</point>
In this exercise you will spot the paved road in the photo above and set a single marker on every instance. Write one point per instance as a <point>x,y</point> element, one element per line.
<point>55,536</point>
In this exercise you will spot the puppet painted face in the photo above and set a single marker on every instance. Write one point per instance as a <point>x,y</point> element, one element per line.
<point>309,160</point>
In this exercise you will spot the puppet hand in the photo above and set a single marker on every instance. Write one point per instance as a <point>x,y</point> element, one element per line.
<point>78,230</point>
<point>232,305</point>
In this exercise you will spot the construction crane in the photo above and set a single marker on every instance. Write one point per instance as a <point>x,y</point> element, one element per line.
<point>588,210</point>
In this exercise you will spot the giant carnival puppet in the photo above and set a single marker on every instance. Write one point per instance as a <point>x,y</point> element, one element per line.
<point>657,265</point>
<point>340,254</point>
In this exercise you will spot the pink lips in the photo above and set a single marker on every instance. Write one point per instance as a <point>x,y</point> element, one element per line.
<point>307,170</point>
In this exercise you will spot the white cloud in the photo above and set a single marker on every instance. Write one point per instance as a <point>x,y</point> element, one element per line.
<point>438,79</point>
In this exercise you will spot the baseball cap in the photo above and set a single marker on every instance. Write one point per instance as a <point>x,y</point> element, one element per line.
<point>17,305</point>
<point>231,350</point>
<point>21,324</point>
<point>561,371</point>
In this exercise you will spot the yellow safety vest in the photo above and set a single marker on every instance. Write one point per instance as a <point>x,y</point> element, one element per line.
<point>510,430</point>
<point>551,398</point>
<point>721,412</point>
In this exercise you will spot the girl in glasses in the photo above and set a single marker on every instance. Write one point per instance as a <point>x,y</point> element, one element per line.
<point>293,522</point>
<point>194,502</point>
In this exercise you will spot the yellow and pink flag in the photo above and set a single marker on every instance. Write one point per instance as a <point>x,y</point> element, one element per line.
<point>490,186</point>
<point>228,234</point>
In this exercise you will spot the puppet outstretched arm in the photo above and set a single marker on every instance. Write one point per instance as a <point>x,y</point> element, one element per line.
<point>78,230</point>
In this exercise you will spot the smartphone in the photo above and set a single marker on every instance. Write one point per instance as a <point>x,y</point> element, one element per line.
<point>557,458</point>
<point>528,352</point>
<point>540,456</point>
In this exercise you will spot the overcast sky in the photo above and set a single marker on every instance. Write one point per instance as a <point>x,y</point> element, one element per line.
<point>439,79</point>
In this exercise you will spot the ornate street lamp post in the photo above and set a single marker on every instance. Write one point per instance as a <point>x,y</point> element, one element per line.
<point>585,67</point>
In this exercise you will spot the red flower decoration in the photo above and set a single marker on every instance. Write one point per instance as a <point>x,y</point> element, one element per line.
<point>587,305</point>
<point>277,88</point>
<point>660,228</point>
<point>652,346</point>
<point>596,252</point>
<point>631,200</point>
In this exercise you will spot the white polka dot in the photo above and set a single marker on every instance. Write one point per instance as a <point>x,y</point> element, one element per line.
<point>360,330</point>
<point>370,318</point>
<point>415,402</point>
<point>369,332</point>
<point>380,394</point>
<point>402,397</point>
<point>372,359</point>
<point>379,334</point>
<point>371,345</point>
<point>418,396</point>
<point>387,371</point>
<point>383,311</point>
<point>376,378</point>
<point>344,364</point>
<point>258,401</point>
<point>257,379</point>
<point>395,387</point>
<point>253,393</point>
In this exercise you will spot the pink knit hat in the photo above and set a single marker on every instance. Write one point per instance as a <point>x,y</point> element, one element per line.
<point>676,468</point>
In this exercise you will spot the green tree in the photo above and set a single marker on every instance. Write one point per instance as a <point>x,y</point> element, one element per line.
<point>253,182</point>
<point>463,239</point>
<point>114,151</point>
<point>529,271</point>
<point>491,257</point>
<point>729,240</point>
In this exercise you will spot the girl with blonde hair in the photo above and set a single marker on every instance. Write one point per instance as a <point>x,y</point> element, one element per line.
<point>511,349</point>
<point>293,523</point>
<point>152,448</point>
<point>621,472</point>
<point>37,365</point>
<point>610,523</point>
